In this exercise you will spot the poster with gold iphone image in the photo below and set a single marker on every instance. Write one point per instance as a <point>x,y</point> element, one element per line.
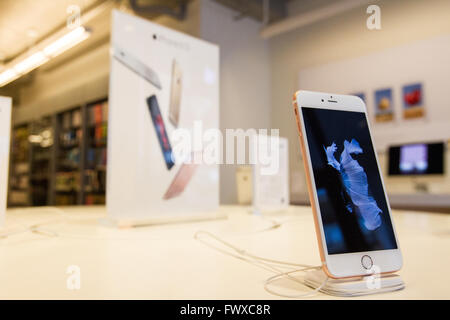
<point>175,93</point>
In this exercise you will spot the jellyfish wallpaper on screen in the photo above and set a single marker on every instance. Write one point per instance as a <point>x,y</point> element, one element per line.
<point>353,206</point>
<point>355,183</point>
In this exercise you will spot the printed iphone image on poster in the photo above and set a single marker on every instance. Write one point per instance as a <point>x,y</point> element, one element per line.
<point>162,82</point>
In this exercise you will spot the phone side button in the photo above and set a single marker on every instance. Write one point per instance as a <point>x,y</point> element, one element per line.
<point>299,129</point>
<point>366,262</point>
<point>294,103</point>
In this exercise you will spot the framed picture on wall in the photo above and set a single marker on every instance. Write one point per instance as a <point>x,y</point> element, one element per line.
<point>384,105</point>
<point>413,106</point>
<point>360,95</point>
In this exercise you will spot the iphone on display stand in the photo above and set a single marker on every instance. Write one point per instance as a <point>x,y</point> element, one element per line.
<point>175,94</point>
<point>352,215</point>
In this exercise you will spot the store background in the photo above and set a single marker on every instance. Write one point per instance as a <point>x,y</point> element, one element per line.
<point>258,75</point>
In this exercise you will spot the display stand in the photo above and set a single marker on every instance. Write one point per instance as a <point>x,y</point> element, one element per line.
<point>124,223</point>
<point>352,287</point>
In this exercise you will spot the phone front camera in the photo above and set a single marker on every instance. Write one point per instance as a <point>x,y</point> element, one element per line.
<point>154,37</point>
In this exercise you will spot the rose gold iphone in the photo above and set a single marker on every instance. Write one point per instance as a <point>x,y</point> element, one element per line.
<point>180,181</point>
<point>352,215</point>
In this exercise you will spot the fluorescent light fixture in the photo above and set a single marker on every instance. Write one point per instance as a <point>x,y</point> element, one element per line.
<point>7,76</point>
<point>22,66</point>
<point>30,63</point>
<point>66,42</point>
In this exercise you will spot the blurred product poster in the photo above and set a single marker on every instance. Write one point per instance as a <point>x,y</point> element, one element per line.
<point>271,187</point>
<point>161,83</point>
<point>244,186</point>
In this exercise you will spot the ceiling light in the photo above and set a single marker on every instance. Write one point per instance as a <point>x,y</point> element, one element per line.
<point>7,76</point>
<point>30,63</point>
<point>23,65</point>
<point>66,42</point>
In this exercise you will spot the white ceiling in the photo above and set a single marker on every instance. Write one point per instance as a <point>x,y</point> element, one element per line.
<point>19,18</point>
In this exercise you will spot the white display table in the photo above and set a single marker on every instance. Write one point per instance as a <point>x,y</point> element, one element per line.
<point>166,262</point>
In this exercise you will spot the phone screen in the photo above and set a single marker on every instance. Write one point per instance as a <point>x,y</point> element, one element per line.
<point>353,206</point>
<point>161,132</point>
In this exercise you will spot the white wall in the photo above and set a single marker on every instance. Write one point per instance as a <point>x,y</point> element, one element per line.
<point>244,77</point>
<point>339,38</point>
<point>425,61</point>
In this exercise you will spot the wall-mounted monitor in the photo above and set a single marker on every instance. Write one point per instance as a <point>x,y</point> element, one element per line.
<point>416,159</point>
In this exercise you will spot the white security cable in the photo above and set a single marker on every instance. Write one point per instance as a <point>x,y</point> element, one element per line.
<point>35,228</point>
<point>267,264</point>
<point>275,265</point>
<point>287,274</point>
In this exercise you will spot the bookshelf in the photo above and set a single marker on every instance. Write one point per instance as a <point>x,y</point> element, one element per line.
<point>60,159</point>
<point>19,180</point>
<point>40,142</point>
<point>94,174</point>
<point>69,140</point>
